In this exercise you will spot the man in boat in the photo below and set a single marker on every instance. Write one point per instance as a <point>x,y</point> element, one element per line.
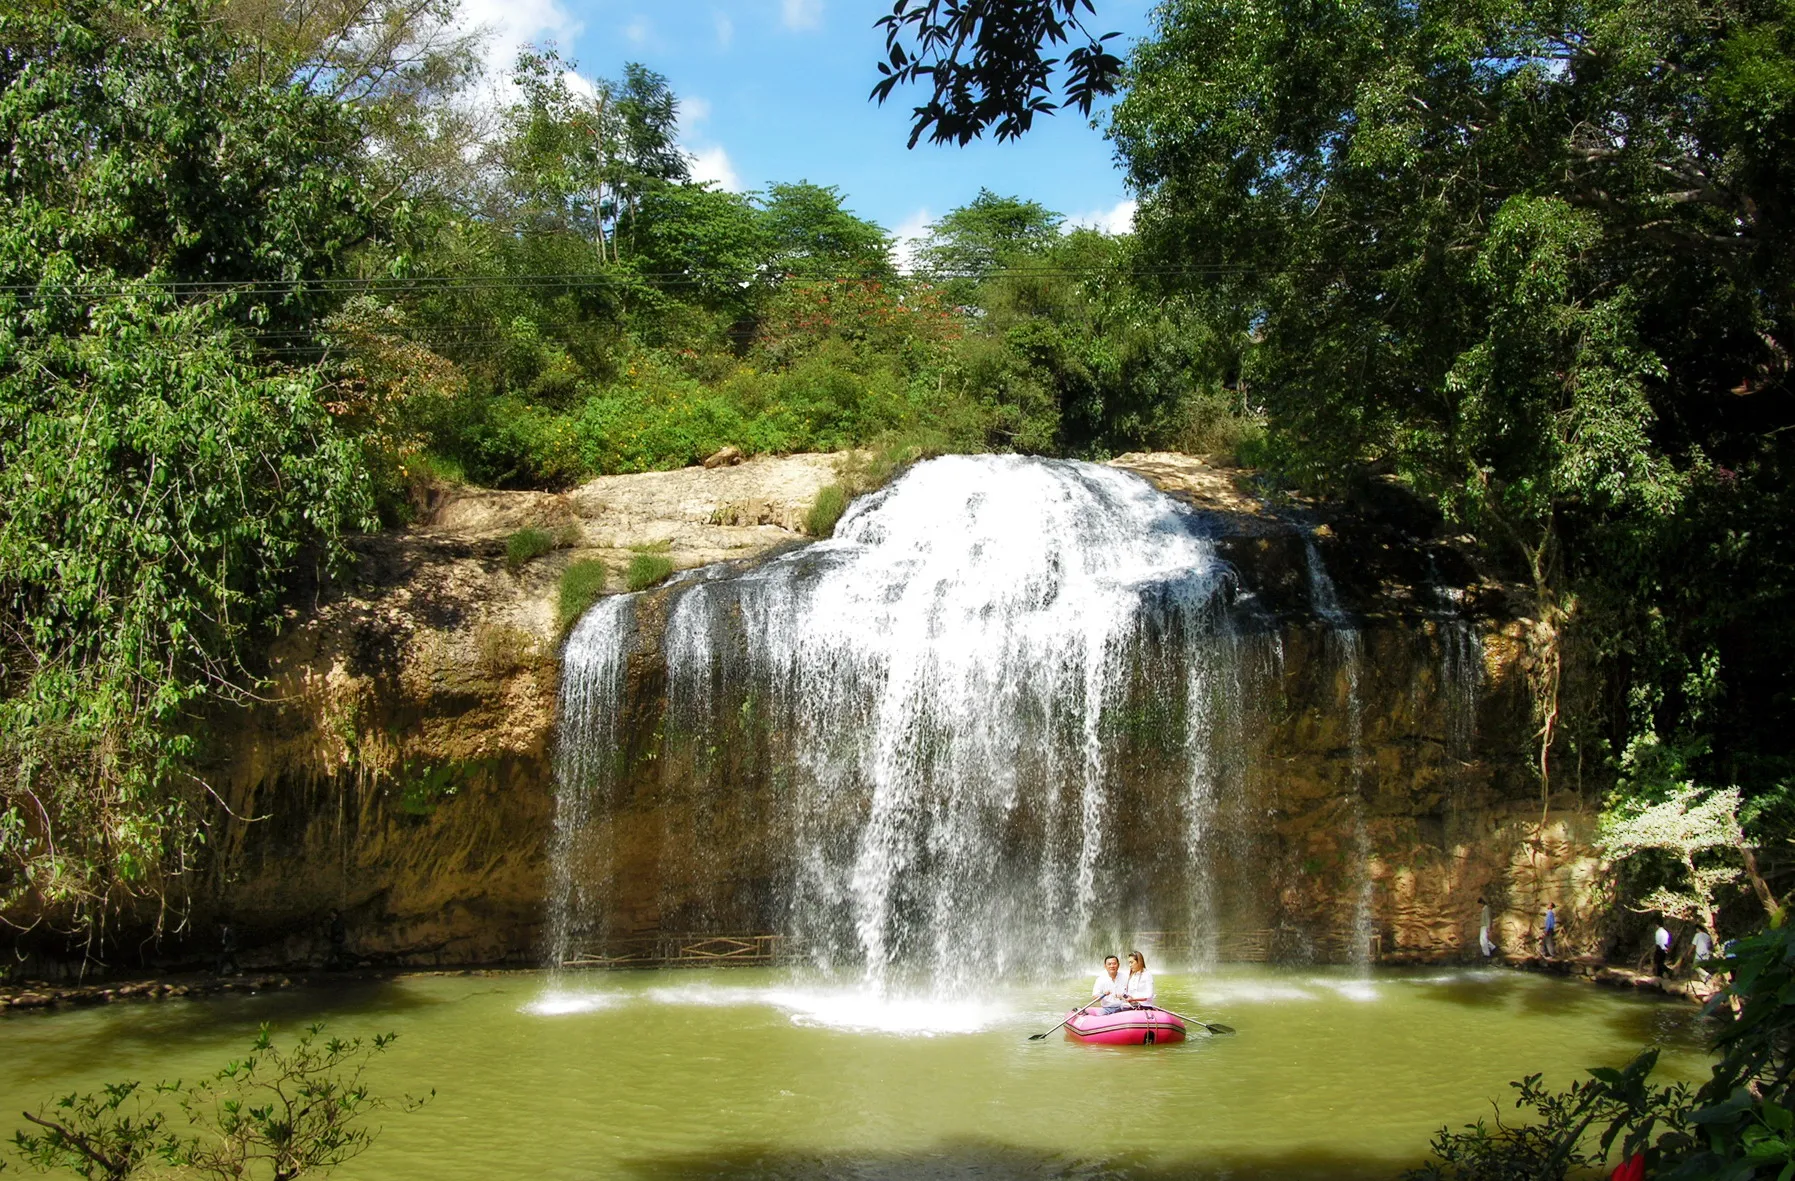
<point>1110,983</point>
<point>1138,991</point>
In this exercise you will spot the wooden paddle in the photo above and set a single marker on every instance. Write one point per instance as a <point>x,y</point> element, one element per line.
<point>1035,1037</point>
<point>1214,1027</point>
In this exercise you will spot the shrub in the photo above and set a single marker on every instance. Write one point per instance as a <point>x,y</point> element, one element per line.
<point>525,546</point>
<point>647,569</point>
<point>831,501</point>
<point>581,585</point>
<point>276,1112</point>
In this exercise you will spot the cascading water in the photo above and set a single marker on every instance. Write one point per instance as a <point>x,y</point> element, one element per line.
<point>585,773</point>
<point>998,720</point>
<point>1344,638</point>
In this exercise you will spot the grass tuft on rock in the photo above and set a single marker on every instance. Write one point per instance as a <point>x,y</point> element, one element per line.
<point>581,585</point>
<point>646,570</point>
<point>830,503</point>
<point>525,546</point>
<point>530,543</point>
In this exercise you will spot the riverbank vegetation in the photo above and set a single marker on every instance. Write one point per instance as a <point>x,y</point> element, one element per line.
<point>275,1113</point>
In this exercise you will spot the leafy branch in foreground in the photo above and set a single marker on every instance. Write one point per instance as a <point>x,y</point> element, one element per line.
<point>1738,1126</point>
<point>274,1115</point>
<point>984,62</point>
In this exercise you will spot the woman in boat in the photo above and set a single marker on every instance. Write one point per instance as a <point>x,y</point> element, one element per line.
<point>1139,989</point>
<point>1110,983</point>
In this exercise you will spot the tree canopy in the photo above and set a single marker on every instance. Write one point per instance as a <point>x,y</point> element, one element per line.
<point>1532,260</point>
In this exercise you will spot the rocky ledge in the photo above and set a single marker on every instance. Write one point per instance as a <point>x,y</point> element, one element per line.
<point>400,766</point>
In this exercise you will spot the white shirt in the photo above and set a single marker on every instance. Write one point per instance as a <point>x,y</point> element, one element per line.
<point>1108,985</point>
<point>1140,986</point>
<point>1663,938</point>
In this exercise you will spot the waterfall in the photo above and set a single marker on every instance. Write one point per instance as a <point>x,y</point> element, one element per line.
<point>997,722</point>
<point>1348,650</point>
<point>586,775</point>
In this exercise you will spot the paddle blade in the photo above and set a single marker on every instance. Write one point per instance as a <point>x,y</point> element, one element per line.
<point>1218,1028</point>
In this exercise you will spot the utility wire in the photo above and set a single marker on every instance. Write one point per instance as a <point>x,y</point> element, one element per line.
<point>432,284</point>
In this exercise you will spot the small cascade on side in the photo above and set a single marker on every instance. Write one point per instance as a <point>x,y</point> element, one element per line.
<point>1348,652</point>
<point>586,774</point>
<point>1221,681</point>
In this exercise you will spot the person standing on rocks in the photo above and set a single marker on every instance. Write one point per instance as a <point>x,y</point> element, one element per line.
<point>227,948</point>
<point>1484,942</point>
<point>1661,944</point>
<point>336,961</point>
<point>1548,944</point>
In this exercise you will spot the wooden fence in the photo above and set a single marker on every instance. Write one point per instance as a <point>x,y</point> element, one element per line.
<point>703,950</point>
<point>681,951</point>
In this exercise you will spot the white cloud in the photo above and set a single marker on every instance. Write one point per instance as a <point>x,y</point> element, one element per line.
<point>907,237</point>
<point>712,164</point>
<point>725,29</point>
<point>1118,219</point>
<point>510,24</point>
<point>802,14</point>
<point>693,110</point>
<point>638,31</point>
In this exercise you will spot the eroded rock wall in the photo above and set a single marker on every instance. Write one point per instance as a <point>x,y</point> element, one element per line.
<point>402,768</point>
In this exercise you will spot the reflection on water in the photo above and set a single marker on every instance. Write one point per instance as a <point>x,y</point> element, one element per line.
<point>770,1074</point>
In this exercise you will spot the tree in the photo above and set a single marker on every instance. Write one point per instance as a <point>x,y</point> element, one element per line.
<point>702,244</point>
<point>1531,260</point>
<point>582,164</point>
<point>970,242</point>
<point>160,474</point>
<point>404,65</point>
<point>1692,827</point>
<point>983,61</point>
<point>813,237</point>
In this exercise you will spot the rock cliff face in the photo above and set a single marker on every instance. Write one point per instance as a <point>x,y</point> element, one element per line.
<point>402,766</point>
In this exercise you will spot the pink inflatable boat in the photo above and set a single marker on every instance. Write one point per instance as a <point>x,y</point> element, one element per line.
<point>1130,1027</point>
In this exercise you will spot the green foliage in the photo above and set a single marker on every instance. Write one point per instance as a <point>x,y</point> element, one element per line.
<point>830,503</point>
<point>1737,1126</point>
<point>646,568</point>
<point>990,232</point>
<point>582,583</point>
<point>276,1114</point>
<point>159,481</point>
<point>156,490</point>
<point>813,237</point>
<point>1534,262</point>
<point>1567,1132</point>
<point>530,543</point>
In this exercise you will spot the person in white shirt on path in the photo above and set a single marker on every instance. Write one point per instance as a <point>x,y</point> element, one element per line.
<point>1110,983</point>
<point>1661,944</point>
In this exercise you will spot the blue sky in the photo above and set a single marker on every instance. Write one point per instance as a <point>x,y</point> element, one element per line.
<point>777,90</point>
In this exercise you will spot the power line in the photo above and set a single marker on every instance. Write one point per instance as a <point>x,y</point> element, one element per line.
<point>463,283</point>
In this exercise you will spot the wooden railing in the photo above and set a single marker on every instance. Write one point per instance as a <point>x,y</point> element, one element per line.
<point>675,951</point>
<point>1266,945</point>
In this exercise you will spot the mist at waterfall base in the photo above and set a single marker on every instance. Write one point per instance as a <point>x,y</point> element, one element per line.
<point>991,729</point>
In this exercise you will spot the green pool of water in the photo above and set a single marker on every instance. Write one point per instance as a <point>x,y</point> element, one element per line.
<point>760,1073</point>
